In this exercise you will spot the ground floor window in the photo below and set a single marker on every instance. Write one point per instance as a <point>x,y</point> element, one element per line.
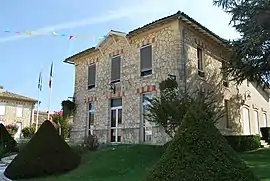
<point>116,120</point>
<point>91,112</point>
<point>146,126</point>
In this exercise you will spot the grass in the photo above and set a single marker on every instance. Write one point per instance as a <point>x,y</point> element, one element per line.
<point>259,162</point>
<point>125,163</point>
<point>132,162</point>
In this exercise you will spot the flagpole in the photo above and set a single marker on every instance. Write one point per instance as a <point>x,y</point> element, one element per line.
<point>50,86</point>
<point>50,103</point>
<point>37,112</point>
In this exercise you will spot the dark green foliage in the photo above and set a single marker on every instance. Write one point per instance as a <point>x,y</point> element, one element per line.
<point>68,108</point>
<point>7,143</point>
<point>265,133</point>
<point>199,152</point>
<point>242,143</point>
<point>91,142</point>
<point>28,132</point>
<point>251,53</point>
<point>45,154</point>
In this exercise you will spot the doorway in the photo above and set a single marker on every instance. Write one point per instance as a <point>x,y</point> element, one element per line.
<point>116,120</point>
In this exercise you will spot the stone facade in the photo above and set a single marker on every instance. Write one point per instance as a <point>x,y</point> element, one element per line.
<point>174,51</point>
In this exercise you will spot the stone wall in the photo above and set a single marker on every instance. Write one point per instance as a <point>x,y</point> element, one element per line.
<point>173,44</point>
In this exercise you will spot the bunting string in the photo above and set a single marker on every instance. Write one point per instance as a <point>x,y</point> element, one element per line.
<point>55,34</point>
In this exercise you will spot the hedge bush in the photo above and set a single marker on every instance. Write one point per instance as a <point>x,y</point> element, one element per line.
<point>45,154</point>
<point>199,152</point>
<point>265,133</point>
<point>244,142</point>
<point>28,132</point>
<point>7,143</point>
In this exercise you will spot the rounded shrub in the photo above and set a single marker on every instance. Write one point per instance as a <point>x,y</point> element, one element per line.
<point>7,143</point>
<point>199,152</point>
<point>28,132</point>
<point>45,154</point>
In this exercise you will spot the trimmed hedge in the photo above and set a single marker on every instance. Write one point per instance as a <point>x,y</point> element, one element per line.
<point>244,142</point>
<point>45,154</point>
<point>28,132</point>
<point>199,152</point>
<point>7,143</point>
<point>265,133</point>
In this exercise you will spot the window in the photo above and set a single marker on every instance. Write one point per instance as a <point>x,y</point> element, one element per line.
<point>147,127</point>
<point>146,60</point>
<point>2,109</point>
<point>19,112</point>
<point>264,120</point>
<point>91,76</point>
<point>115,69</point>
<point>200,61</point>
<point>91,112</point>
<point>227,113</point>
<point>116,120</point>
<point>224,75</point>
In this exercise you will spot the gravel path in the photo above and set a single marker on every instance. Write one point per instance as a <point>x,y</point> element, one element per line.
<point>3,165</point>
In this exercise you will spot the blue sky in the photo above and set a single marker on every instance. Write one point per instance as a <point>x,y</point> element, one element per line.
<point>22,57</point>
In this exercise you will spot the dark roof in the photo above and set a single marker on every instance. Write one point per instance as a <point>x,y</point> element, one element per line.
<point>179,15</point>
<point>10,95</point>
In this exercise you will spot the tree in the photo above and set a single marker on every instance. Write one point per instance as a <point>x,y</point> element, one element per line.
<point>199,152</point>
<point>68,108</point>
<point>250,55</point>
<point>169,108</point>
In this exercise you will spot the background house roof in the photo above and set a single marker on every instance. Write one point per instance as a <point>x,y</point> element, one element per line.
<point>10,95</point>
<point>179,15</point>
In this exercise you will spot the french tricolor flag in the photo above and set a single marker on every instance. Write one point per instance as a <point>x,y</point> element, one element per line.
<point>51,76</point>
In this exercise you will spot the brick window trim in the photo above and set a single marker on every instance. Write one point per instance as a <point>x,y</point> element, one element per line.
<point>118,94</point>
<point>148,88</point>
<point>91,99</point>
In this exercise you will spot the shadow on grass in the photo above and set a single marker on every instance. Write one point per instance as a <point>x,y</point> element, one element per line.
<point>259,162</point>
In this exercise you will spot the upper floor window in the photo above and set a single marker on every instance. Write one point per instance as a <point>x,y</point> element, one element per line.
<point>115,69</point>
<point>200,62</point>
<point>2,109</point>
<point>224,74</point>
<point>19,111</point>
<point>146,60</point>
<point>91,76</point>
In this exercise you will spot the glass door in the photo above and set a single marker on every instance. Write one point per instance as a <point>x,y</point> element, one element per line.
<point>116,120</point>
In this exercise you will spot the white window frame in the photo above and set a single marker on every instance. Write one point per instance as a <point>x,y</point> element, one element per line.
<point>264,116</point>
<point>146,125</point>
<point>116,128</point>
<point>3,113</point>
<point>92,111</point>
<point>19,114</point>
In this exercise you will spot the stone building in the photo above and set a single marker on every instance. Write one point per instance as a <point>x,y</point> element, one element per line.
<point>113,79</point>
<point>16,109</point>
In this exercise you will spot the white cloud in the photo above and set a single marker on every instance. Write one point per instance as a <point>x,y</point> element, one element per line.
<point>141,12</point>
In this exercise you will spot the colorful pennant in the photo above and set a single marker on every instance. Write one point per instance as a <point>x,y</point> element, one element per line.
<point>31,33</point>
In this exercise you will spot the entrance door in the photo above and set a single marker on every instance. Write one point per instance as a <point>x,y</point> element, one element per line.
<point>246,121</point>
<point>116,120</point>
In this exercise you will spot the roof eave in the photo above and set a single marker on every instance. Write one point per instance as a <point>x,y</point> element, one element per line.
<point>105,38</point>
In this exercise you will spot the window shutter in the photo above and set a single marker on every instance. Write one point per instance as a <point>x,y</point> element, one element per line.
<point>92,74</point>
<point>146,58</point>
<point>115,69</point>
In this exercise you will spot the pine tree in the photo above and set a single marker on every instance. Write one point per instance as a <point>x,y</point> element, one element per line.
<point>251,53</point>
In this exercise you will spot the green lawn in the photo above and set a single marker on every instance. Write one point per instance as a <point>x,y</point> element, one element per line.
<point>131,163</point>
<point>259,162</point>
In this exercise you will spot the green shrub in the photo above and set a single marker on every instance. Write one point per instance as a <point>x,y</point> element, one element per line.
<point>28,132</point>
<point>91,142</point>
<point>199,152</point>
<point>265,133</point>
<point>45,154</point>
<point>7,143</point>
<point>244,142</point>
